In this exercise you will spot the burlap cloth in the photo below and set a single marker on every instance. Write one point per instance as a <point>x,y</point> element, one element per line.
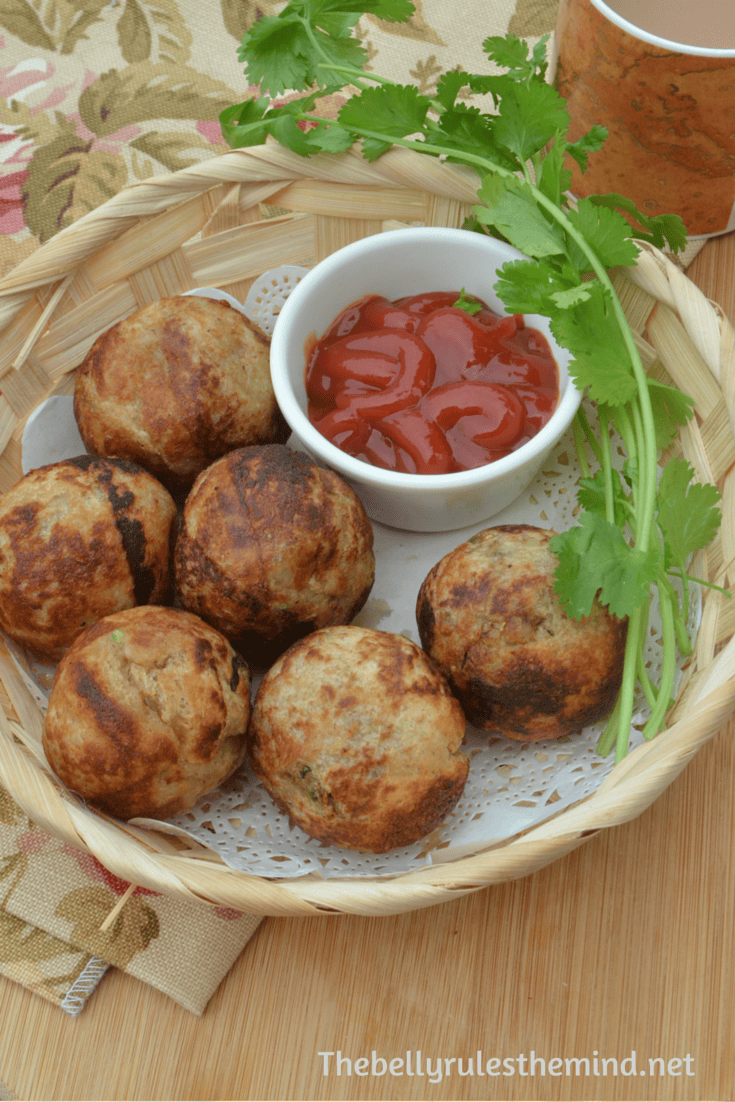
<point>95,95</point>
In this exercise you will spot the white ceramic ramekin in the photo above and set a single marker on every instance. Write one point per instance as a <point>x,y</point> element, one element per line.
<point>397,263</point>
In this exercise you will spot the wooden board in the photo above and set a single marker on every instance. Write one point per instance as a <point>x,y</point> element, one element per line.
<point>626,945</point>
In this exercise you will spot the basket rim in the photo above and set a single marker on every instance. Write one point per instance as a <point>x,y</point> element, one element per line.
<point>631,786</point>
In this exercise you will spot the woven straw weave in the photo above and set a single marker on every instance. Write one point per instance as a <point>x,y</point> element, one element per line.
<point>223,223</point>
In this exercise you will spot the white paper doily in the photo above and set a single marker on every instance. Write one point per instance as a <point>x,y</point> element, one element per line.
<point>511,786</point>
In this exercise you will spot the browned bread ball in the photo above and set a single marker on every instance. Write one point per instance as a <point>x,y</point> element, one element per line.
<point>79,539</point>
<point>356,735</point>
<point>148,711</point>
<point>489,617</point>
<point>175,385</point>
<point>271,547</point>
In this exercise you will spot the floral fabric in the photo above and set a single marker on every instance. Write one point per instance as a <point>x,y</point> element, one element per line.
<point>56,937</point>
<point>96,94</point>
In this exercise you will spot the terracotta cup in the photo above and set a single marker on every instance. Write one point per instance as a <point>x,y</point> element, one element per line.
<point>669,109</point>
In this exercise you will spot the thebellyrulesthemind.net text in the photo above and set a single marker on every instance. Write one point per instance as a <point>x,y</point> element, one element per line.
<point>436,1068</point>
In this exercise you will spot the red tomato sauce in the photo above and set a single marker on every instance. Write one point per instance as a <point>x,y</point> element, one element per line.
<point>420,385</point>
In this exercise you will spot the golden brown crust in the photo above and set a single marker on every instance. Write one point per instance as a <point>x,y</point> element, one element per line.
<point>272,547</point>
<point>176,385</point>
<point>488,616</point>
<point>356,735</point>
<point>148,711</point>
<point>79,539</point>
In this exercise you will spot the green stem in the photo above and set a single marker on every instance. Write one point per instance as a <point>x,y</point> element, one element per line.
<point>702,581</point>
<point>638,452</point>
<point>589,434</point>
<point>579,441</point>
<point>627,434</point>
<point>357,75</point>
<point>609,734</point>
<point>626,696</point>
<point>607,465</point>
<point>668,671</point>
<point>648,687</point>
<point>681,613</point>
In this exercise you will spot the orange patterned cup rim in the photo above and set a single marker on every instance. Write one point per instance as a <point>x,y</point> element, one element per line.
<point>655,39</point>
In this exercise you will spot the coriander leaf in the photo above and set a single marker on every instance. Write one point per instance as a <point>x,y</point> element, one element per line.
<point>320,138</point>
<point>340,53</point>
<point>671,408</point>
<point>595,560</point>
<point>554,180</point>
<point>572,297</point>
<point>512,209</point>
<point>338,24</point>
<point>244,123</point>
<point>465,129</point>
<point>279,55</point>
<point>249,123</point>
<point>687,512</point>
<point>328,138</point>
<point>372,148</point>
<point>601,363</point>
<point>528,287</point>
<point>509,52</point>
<point>395,111</point>
<point>532,114</point>
<point>467,303</point>
<point>452,82</point>
<point>449,86</point>
<point>393,11</point>
<point>538,55</point>
<point>606,232</point>
<point>591,496</point>
<point>281,52</point>
<point>287,131</point>
<point>662,229</point>
<point>631,471</point>
<point>591,142</point>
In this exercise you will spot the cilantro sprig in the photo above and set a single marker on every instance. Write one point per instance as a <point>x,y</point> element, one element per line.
<point>635,533</point>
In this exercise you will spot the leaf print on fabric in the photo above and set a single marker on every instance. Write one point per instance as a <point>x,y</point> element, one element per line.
<point>426,75</point>
<point>12,868</point>
<point>66,179</point>
<point>150,91</point>
<point>21,942</point>
<point>532,18</point>
<point>95,870</point>
<point>132,931</point>
<point>82,16</point>
<point>11,202</point>
<point>153,30</point>
<point>10,813</point>
<point>173,150</point>
<point>56,25</point>
<point>238,16</point>
<point>20,19</point>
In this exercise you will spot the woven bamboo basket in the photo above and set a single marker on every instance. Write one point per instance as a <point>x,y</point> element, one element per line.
<point>222,224</point>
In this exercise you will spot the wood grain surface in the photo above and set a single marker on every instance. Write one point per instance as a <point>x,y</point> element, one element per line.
<point>625,946</point>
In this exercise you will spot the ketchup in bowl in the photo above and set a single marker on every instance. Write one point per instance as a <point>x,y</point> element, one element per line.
<point>422,386</point>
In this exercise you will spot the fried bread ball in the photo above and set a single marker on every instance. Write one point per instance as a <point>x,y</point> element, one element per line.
<point>272,547</point>
<point>356,735</point>
<point>148,711</point>
<point>176,385</point>
<point>489,617</point>
<point>79,539</point>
